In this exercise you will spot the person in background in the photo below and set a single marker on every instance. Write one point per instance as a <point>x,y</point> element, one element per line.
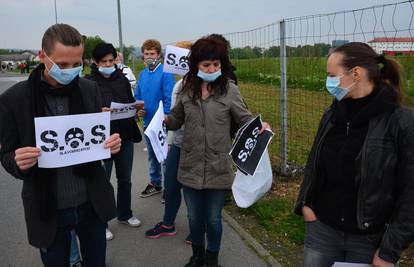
<point>173,187</point>
<point>115,87</point>
<point>206,104</point>
<point>153,86</point>
<point>126,70</point>
<point>358,191</point>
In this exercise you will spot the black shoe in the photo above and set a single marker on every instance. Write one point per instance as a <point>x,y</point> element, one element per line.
<point>198,259</point>
<point>212,259</point>
<point>151,190</point>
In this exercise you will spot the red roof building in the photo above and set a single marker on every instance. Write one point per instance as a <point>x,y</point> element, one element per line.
<point>393,45</point>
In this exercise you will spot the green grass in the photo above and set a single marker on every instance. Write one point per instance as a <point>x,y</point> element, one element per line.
<point>305,109</point>
<point>259,81</point>
<point>276,216</point>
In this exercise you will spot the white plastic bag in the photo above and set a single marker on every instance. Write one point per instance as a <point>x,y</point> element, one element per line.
<point>248,189</point>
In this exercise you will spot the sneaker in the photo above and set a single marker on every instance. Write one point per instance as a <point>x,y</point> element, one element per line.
<point>188,240</point>
<point>151,190</point>
<point>163,198</point>
<point>109,235</point>
<point>133,222</point>
<point>160,230</point>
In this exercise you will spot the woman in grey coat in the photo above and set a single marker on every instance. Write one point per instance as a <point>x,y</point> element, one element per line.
<point>206,105</point>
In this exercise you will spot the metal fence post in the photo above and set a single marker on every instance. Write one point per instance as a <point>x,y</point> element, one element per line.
<point>283,98</point>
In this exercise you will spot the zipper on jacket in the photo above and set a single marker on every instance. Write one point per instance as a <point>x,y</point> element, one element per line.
<point>347,128</point>
<point>362,170</point>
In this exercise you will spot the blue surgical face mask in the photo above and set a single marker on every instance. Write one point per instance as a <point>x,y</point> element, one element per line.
<point>209,77</point>
<point>63,76</point>
<point>107,71</point>
<point>332,84</point>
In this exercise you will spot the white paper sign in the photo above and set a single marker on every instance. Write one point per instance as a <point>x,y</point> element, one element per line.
<point>123,111</point>
<point>345,264</point>
<point>157,134</point>
<point>176,60</point>
<point>72,139</point>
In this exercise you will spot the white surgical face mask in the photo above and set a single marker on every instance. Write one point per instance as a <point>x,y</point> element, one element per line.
<point>209,77</point>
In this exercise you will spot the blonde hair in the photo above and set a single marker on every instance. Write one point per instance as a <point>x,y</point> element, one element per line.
<point>184,44</point>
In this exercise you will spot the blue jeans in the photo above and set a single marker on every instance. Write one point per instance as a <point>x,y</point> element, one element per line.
<point>204,216</point>
<point>172,188</point>
<point>74,250</point>
<point>90,230</point>
<point>324,245</point>
<point>123,168</point>
<point>154,165</point>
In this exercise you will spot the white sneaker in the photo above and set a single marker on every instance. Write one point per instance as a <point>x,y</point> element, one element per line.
<point>133,222</point>
<point>109,235</point>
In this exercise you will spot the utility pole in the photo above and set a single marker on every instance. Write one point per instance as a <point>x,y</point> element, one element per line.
<point>121,45</point>
<point>55,13</point>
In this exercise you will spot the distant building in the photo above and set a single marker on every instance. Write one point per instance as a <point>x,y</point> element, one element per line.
<point>337,43</point>
<point>393,46</point>
<point>11,61</point>
<point>24,56</point>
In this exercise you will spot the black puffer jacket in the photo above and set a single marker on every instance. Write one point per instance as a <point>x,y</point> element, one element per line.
<point>116,88</point>
<point>384,178</point>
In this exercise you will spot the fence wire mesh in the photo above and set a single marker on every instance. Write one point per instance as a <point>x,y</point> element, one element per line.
<point>256,54</point>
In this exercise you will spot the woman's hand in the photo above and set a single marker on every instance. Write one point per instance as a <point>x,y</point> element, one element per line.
<point>139,106</point>
<point>105,109</point>
<point>308,214</point>
<point>141,112</point>
<point>114,143</point>
<point>166,120</point>
<point>265,126</point>
<point>378,262</point>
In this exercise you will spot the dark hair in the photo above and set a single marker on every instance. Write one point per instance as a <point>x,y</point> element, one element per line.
<point>151,44</point>
<point>207,48</point>
<point>62,33</point>
<point>381,70</point>
<point>101,50</point>
<point>220,38</point>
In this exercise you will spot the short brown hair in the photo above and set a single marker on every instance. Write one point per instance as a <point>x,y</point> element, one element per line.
<point>62,33</point>
<point>151,44</point>
<point>184,44</point>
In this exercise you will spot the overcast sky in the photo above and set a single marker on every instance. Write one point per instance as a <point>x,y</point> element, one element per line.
<point>24,21</point>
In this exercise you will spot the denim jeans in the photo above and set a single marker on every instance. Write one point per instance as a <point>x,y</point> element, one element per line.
<point>172,188</point>
<point>204,216</point>
<point>155,167</point>
<point>74,249</point>
<point>123,168</point>
<point>324,245</point>
<point>90,230</point>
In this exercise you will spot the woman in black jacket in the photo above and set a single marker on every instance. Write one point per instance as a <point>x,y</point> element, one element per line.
<point>358,191</point>
<point>115,87</point>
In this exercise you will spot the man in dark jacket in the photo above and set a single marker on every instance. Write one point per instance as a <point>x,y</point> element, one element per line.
<point>57,200</point>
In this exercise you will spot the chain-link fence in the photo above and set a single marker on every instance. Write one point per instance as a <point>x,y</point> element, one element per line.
<point>281,67</point>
